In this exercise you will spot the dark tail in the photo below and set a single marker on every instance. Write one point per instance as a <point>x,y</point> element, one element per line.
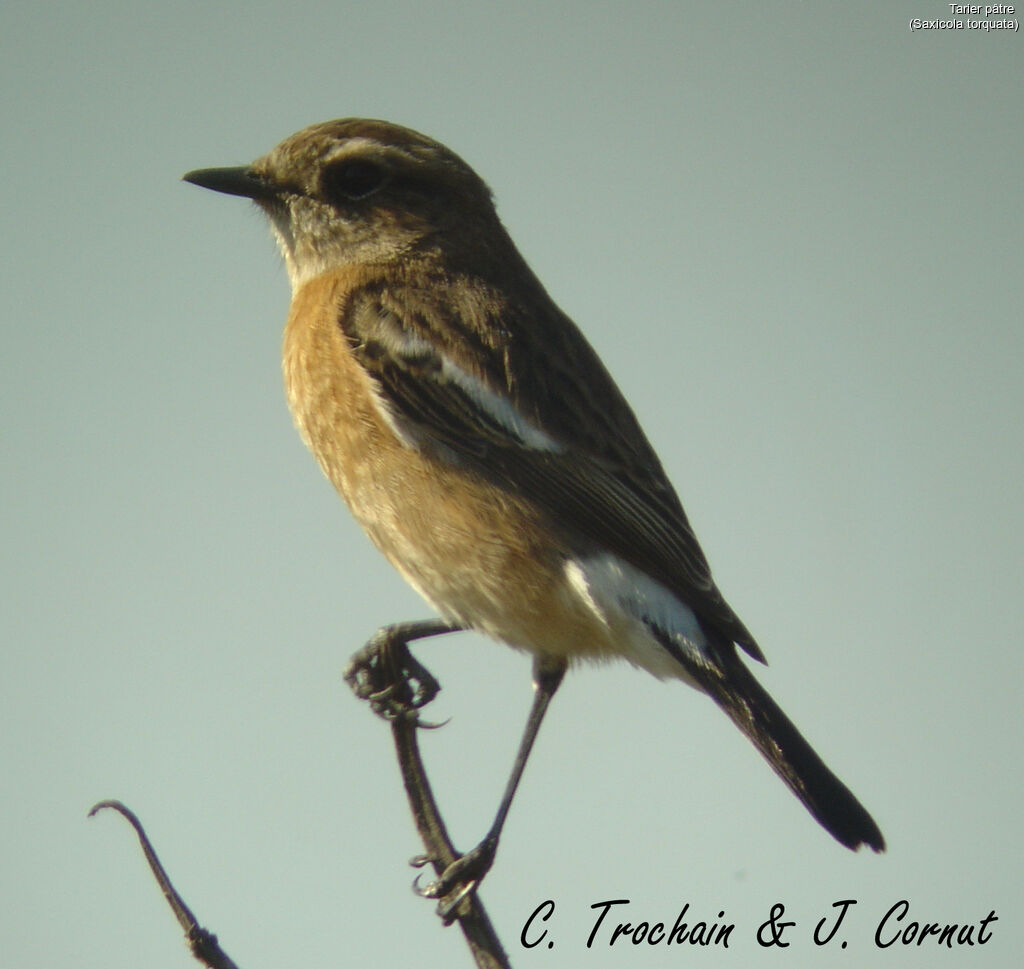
<point>828,799</point>
<point>733,687</point>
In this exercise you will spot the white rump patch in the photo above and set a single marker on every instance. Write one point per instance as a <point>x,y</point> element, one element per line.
<point>627,601</point>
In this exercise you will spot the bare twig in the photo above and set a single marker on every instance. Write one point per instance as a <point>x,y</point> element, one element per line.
<point>380,673</point>
<point>201,942</point>
<point>397,686</point>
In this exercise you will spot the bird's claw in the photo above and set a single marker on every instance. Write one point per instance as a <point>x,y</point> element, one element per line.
<point>392,681</point>
<point>459,880</point>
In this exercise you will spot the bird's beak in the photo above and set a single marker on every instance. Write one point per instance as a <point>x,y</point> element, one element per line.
<point>232,181</point>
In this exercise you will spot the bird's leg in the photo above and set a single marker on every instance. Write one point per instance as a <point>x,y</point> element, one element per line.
<point>464,874</point>
<point>385,673</point>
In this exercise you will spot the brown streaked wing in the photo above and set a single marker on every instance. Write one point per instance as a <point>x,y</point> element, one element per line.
<point>604,484</point>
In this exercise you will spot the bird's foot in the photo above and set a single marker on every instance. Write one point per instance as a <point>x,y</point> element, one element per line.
<point>459,880</point>
<point>386,674</point>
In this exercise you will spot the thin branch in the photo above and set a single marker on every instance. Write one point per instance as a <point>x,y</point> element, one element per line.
<point>201,942</point>
<point>381,673</point>
<point>397,686</point>
<point>471,915</point>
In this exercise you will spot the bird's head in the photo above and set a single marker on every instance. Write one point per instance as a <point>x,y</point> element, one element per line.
<point>356,192</point>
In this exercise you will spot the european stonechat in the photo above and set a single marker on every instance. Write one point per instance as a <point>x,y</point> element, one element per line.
<point>483,446</point>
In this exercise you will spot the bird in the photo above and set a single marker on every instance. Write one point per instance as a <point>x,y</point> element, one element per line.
<point>484,447</point>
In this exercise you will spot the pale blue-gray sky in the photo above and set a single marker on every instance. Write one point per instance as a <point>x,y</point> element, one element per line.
<point>793,231</point>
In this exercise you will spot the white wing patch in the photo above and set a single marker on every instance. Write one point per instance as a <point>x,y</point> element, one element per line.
<point>496,406</point>
<point>628,601</point>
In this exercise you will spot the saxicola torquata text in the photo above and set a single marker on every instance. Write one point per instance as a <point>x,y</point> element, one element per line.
<point>481,443</point>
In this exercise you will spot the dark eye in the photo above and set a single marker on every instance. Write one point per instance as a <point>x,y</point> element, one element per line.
<point>352,180</point>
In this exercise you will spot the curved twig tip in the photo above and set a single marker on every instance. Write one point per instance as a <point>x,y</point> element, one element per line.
<point>201,942</point>
<point>113,805</point>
